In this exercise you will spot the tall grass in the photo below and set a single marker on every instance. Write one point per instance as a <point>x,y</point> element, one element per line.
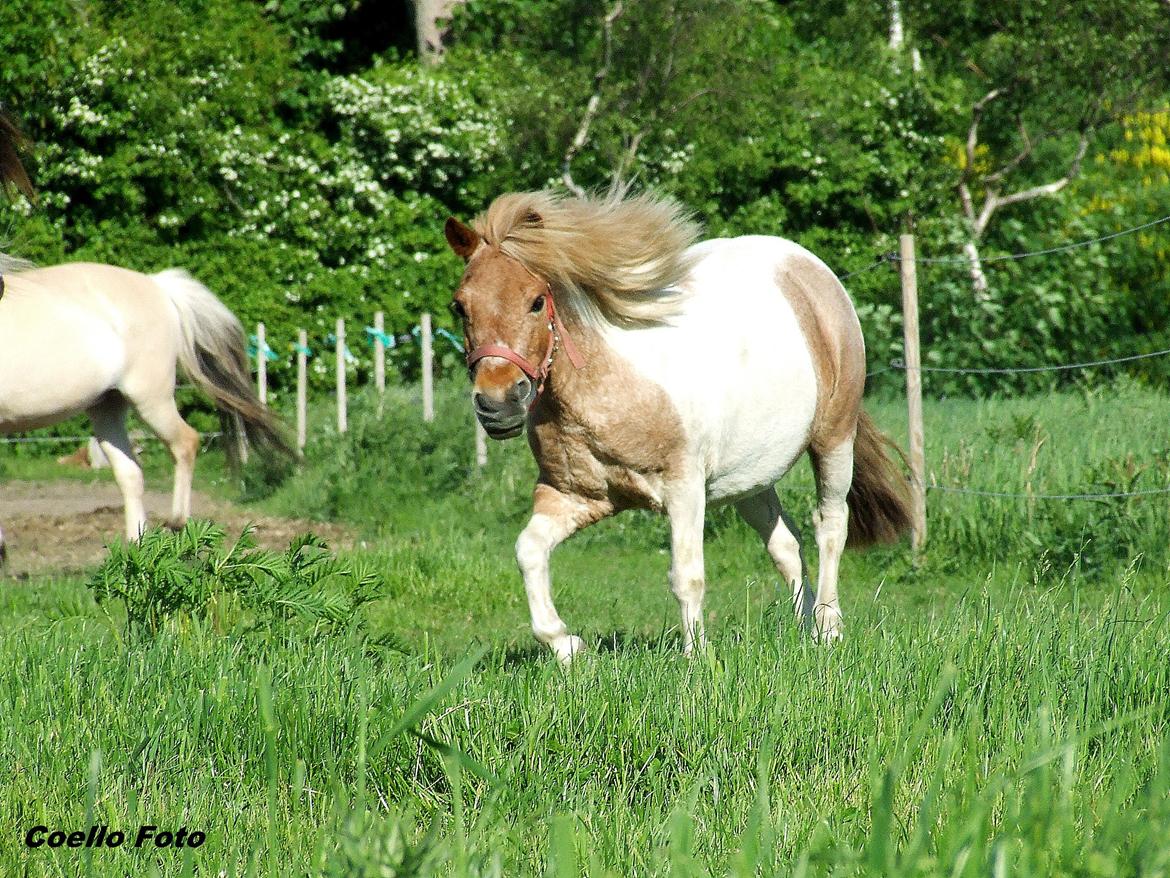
<point>1013,734</point>
<point>1000,708</point>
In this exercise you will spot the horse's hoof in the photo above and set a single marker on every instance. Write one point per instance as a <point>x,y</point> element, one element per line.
<point>174,526</point>
<point>827,626</point>
<point>568,647</point>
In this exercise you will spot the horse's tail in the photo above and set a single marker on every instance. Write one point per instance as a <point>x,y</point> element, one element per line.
<point>214,354</point>
<point>12,173</point>
<point>879,499</point>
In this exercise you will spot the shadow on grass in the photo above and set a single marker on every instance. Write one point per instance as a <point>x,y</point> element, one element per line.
<point>667,640</point>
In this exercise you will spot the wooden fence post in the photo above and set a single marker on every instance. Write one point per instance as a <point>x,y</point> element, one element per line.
<point>913,391</point>
<point>261,364</point>
<point>302,390</point>
<point>241,439</point>
<point>428,365</point>
<point>342,422</point>
<point>480,445</point>
<point>379,354</point>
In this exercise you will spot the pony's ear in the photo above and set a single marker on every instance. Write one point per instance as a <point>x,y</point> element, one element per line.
<point>463,239</point>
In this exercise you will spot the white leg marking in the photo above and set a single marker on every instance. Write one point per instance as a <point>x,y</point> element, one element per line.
<point>687,578</point>
<point>533,548</point>
<point>765,514</point>
<point>834,474</point>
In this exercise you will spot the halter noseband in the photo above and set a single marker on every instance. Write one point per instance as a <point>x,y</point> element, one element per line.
<point>557,338</point>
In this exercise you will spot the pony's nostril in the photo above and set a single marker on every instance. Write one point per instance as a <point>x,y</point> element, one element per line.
<point>481,403</point>
<point>520,390</point>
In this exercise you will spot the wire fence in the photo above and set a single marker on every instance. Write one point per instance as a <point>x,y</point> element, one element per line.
<point>901,365</point>
<point>894,365</point>
<point>894,258</point>
<point>73,440</point>
<point>977,492</point>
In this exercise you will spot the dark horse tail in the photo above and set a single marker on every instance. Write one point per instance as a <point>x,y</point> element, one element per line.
<point>12,173</point>
<point>879,499</point>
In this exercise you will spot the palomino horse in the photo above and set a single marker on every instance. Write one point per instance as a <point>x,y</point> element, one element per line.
<point>654,372</point>
<point>99,339</point>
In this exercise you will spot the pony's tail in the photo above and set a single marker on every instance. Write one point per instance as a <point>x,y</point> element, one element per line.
<point>214,355</point>
<point>879,499</point>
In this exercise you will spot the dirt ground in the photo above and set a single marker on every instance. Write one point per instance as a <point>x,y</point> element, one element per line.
<point>63,526</point>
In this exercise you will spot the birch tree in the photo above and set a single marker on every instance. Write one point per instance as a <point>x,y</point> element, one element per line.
<point>1040,81</point>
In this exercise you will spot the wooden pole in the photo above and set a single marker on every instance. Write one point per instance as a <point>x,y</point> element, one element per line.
<point>302,390</point>
<point>428,365</point>
<point>379,353</point>
<point>342,422</point>
<point>241,438</point>
<point>480,445</point>
<point>261,364</point>
<point>913,391</point>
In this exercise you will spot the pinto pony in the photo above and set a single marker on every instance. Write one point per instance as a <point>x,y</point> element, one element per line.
<point>98,339</point>
<point>652,371</point>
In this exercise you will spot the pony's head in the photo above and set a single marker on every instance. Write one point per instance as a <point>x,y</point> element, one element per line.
<point>505,310</point>
<point>606,261</point>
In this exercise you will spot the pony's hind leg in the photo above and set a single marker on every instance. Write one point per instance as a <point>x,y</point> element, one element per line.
<point>183,441</point>
<point>555,517</point>
<point>767,517</point>
<point>108,417</point>
<point>687,578</point>
<point>834,475</point>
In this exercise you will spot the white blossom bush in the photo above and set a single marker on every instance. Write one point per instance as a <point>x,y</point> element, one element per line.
<point>419,129</point>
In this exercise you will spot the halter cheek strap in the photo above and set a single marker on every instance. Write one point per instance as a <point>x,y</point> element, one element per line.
<point>557,338</point>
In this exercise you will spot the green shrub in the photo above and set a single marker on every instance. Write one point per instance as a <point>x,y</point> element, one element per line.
<point>192,574</point>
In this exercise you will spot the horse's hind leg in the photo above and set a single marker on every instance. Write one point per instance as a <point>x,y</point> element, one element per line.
<point>183,441</point>
<point>108,417</point>
<point>833,469</point>
<point>767,517</point>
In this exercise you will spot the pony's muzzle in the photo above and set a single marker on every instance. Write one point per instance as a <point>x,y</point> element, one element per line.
<point>504,416</point>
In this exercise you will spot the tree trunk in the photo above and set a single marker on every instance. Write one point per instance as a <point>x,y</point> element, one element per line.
<point>978,278</point>
<point>429,33</point>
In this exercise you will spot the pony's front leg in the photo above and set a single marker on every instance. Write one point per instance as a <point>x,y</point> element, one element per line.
<point>555,517</point>
<point>686,507</point>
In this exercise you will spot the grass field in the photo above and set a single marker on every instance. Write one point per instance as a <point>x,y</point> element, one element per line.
<point>1000,708</point>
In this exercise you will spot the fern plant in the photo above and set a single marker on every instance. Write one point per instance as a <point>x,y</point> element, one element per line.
<point>195,573</point>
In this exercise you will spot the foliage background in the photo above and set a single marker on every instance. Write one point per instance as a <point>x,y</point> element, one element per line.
<point>300,159</point>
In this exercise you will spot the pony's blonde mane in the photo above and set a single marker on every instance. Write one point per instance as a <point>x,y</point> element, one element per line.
<point>614,259</point>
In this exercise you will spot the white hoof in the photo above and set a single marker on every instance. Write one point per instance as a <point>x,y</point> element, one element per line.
<point>827,625</point>
<point>567,647</point>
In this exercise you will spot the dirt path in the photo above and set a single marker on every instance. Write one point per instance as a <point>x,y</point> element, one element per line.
<point>63,526</point>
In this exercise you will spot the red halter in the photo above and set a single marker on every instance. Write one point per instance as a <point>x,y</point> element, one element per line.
<point>557,338</point>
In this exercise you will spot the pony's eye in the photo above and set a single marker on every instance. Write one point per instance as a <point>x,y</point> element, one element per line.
<point>538,305</point>
<point>458,310</point>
